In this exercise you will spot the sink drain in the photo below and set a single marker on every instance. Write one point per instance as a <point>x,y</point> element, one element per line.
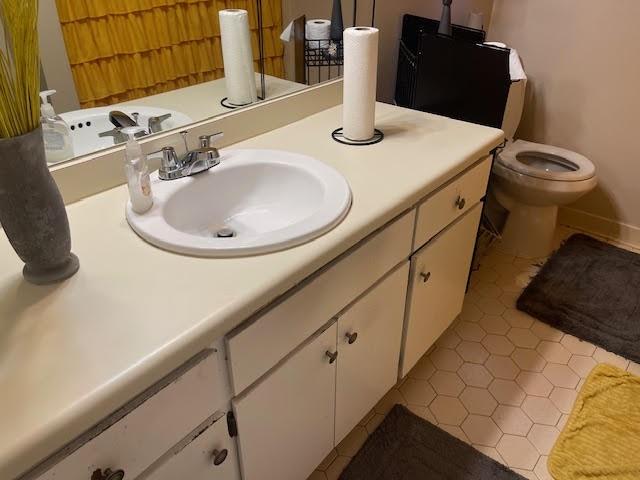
<point>225,233</point>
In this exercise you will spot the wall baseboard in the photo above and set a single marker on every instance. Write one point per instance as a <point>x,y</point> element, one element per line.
<point>604,227</point>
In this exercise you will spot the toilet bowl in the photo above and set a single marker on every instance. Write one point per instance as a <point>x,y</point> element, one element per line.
<point>531,180</point>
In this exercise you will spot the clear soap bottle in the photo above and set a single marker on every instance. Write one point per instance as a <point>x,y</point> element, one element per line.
<point>137,172</point>
<point>58,145</point>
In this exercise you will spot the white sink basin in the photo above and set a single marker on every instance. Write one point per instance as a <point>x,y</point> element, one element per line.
<point>87,124</point>
<point>269,199</point>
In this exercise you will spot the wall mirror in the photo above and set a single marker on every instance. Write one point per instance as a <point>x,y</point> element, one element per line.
<point>160,64</point>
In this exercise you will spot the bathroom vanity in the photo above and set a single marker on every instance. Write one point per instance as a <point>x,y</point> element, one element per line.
<point>159,366</point>
<point>306,371</point>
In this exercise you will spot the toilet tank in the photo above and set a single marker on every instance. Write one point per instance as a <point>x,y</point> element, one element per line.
<point>515,99</point>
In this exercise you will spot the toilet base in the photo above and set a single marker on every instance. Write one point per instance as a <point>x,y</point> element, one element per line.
<point>529,231</point>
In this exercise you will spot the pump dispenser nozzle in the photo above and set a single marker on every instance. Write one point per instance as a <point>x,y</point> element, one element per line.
<point>132,147</point>
<point>46,108</point>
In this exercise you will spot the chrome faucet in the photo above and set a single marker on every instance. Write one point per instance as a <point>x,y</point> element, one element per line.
<point>193,162</point>
<point>121,120</point>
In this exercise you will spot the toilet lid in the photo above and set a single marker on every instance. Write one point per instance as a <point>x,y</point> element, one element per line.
<point>546,161</point>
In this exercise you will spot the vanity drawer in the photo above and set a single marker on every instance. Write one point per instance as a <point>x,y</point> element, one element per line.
<point>145,429</point>
<point>209,454</point>
<point>256,348</point>
<point>444,206</point>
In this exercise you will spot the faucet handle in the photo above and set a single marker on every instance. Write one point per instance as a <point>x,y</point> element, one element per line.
<point>207,140</point>
<point>169,158</point>
<point>155,123</point>
<point>110,133</point>
<point>116,133</point>
<point>169,164</point>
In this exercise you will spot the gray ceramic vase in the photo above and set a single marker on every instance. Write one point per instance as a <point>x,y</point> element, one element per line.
<point>32,211</point>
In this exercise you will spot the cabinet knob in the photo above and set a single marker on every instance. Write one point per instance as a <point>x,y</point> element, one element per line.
<point>219,456</point>
<point>460,202</point>
<point>108,474</point>
<point>333,356</point>
<point>351,337</point>
<point>425,276</point>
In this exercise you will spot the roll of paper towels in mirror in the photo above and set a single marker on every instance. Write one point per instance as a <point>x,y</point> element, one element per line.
<point>475,20</point>
<point>237,57</point>
<point>360,81</point>
<point>318,29</point>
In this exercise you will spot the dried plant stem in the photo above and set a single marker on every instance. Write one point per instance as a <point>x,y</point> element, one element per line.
<point>19,68</point>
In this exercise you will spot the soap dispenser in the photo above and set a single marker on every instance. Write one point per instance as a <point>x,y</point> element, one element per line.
<point>137,172</point>
<point>56,133</point>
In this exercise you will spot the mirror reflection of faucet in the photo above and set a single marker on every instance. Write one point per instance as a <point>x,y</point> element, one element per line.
<point>121,120</point>
<point>155,123</point>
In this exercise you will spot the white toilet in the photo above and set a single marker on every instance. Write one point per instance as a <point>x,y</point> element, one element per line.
<point>531,180</point>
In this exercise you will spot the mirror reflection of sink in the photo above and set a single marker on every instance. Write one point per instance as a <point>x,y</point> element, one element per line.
<point>87,125</point>
<point>254,202</point>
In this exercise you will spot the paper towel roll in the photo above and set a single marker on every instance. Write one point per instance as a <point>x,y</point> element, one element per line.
<point>238,57</point>
<point>318,29</point>
<point>475,20</point>
<point>360,80</point>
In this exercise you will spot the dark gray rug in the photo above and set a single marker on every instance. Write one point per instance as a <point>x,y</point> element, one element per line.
<point>407,447</point>
<point>591,290</point>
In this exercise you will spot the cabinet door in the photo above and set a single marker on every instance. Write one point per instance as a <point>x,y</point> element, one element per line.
<point>439,273</point>
<point>286,421</point>
<point>369,338</point>
<point>211,455</point>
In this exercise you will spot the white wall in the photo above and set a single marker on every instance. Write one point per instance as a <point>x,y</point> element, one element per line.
<point>55,63</point>
<point>389,20</point>
<point>582,58</point>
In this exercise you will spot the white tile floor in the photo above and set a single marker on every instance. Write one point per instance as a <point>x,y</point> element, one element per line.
<point>497,378</point>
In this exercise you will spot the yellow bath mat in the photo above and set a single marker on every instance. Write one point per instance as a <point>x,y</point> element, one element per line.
<point>601,440</point>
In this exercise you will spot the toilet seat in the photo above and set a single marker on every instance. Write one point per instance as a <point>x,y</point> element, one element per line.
<point>546,162</point>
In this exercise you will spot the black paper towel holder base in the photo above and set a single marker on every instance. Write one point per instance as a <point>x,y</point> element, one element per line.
<point>339,137</point>
<point>227,104</point>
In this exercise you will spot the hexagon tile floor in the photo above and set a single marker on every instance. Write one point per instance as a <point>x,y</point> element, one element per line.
<point>497,378</point>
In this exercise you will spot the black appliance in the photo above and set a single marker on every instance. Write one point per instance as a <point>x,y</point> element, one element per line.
<point>456,76</point>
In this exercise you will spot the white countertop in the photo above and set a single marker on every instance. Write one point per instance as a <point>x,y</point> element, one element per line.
<point>71,354</point>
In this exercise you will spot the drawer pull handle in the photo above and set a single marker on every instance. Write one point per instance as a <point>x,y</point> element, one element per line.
<point>351,337</point>
<point>108,474</point>
<point>460,202</point>
<point>333,356</point>
<point>425,276</point>
<point>219,456</point>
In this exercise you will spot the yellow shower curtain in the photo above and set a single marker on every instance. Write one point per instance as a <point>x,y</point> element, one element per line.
<point>126,49</point>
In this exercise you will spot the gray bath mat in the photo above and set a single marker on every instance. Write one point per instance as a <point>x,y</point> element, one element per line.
<point>407,447</point>
<point>591,290</point>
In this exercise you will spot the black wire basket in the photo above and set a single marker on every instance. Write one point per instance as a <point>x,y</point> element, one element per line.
<point>326,57</point>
